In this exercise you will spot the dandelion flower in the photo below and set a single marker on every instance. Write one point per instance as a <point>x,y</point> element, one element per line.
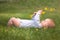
<point>43,12</point>
<point>45,8</point>
<point>54,9</point>
<point>51,9</point>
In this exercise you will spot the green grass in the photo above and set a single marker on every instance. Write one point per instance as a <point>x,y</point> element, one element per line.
<point>23,9</point>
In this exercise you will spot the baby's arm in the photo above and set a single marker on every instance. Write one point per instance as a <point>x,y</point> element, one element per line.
<point>36,18</point>
<point>37,13</point>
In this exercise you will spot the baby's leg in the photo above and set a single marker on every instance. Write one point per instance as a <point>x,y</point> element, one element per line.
<point>13,21</point>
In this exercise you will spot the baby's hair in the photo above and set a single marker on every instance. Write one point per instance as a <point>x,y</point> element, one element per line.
<point>51,23</point>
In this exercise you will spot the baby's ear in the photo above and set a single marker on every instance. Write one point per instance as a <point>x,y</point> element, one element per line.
<point>53,23</point>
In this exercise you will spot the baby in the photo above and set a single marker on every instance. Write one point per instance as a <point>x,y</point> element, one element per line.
<point>34,22</point>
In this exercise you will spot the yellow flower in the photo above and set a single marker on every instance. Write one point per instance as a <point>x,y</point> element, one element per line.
<point>43,12</point>
<point>36,29</point>
<point>52,9</point>
<point>45,8</point>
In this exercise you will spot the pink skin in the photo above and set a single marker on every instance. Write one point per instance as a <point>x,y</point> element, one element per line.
<point>40,11</point>
<point>47,23</point>
<point>44,23</point>
<point>13,21</point>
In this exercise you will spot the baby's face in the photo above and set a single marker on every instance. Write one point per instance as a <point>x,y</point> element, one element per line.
<point>46,22</point>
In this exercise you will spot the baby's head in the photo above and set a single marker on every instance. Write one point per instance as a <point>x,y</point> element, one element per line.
<point>48,23</point>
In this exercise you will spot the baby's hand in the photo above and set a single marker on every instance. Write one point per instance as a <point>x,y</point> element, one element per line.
<point>39,11</point>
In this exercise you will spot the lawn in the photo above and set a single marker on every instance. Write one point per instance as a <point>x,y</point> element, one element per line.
<point>24,9</point>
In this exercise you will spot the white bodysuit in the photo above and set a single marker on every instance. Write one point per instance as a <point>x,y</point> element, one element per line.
<point>34,22</point>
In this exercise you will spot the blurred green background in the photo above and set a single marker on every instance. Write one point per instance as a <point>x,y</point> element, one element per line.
<point>24,9</point>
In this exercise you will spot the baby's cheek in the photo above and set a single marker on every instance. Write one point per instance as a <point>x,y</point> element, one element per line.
<point>44,24</point>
